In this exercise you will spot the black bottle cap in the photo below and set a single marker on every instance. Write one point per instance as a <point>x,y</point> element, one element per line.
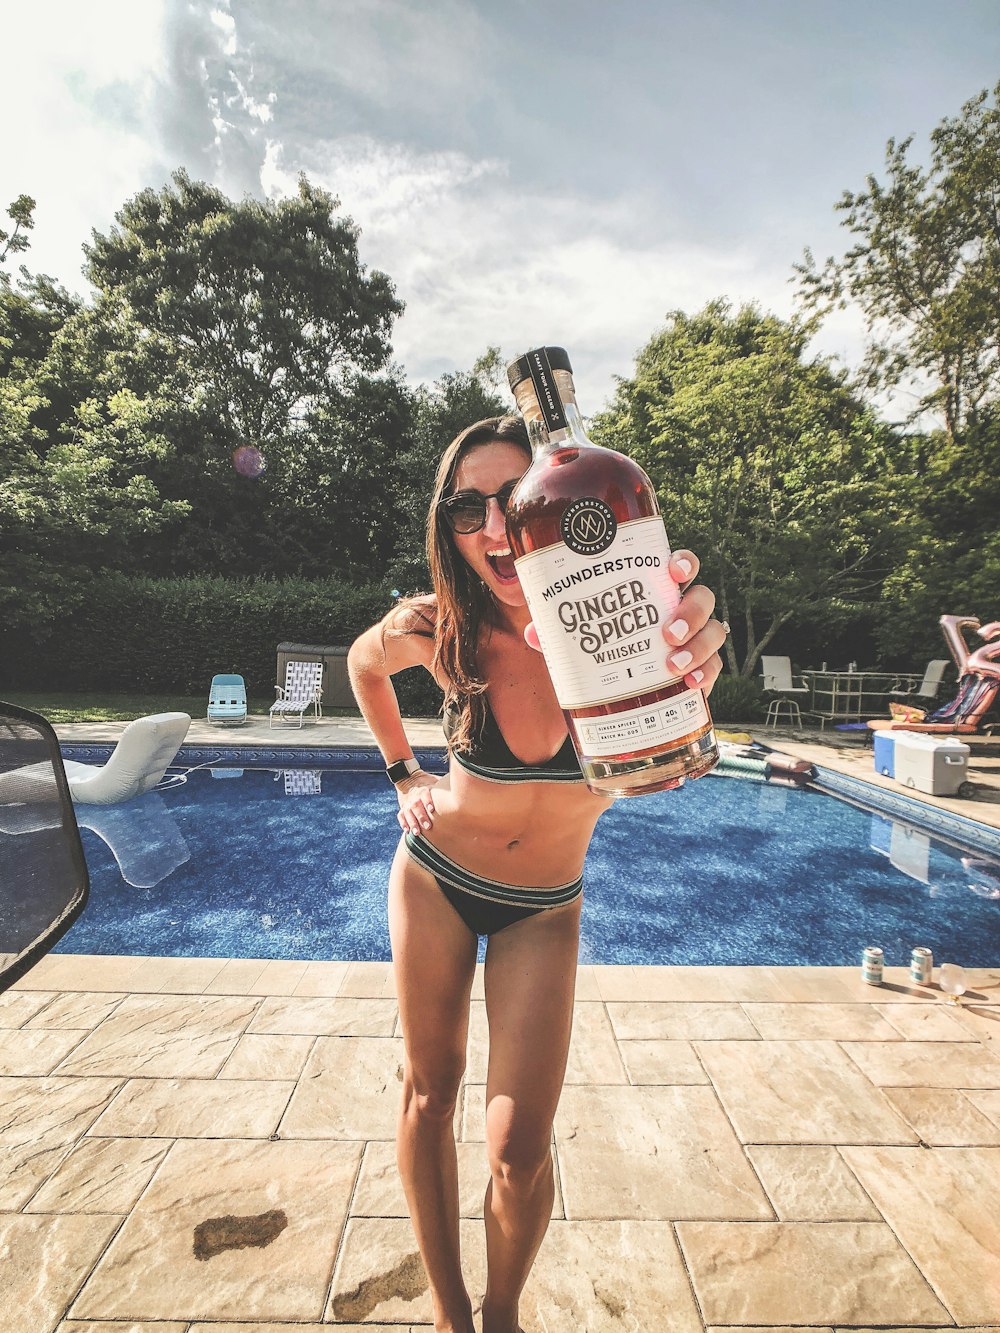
<point>521,368</point>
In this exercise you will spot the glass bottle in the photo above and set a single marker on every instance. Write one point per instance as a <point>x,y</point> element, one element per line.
<point>591,554</point>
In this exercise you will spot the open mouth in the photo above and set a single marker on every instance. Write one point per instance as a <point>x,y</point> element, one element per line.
<point>502,564</point>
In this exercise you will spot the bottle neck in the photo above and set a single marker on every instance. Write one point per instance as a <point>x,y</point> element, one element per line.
<point>553,429</point>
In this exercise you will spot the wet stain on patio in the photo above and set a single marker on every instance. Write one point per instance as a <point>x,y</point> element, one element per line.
<point>406,1282</point>
<point>217,1234</point>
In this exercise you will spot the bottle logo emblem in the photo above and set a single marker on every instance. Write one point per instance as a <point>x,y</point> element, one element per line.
<point>588,526</point>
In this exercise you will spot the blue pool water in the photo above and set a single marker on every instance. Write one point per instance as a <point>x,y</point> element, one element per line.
<point>271,863</point>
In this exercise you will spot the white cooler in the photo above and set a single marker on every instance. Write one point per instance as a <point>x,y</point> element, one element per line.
<point>937,765</point>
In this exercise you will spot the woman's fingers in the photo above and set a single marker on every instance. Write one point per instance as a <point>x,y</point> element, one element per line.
<point>697,649</point>
<point>683,566</point>
<point>704,677</point>
<point>417,814</point>
<point>693,612</point>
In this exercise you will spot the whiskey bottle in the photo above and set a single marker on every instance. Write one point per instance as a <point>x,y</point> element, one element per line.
<point>591,554</point>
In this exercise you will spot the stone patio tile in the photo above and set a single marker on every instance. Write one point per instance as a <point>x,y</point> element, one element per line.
<point>40,1120</point>
<point>74,1009</point>
<point>322,979</point>
<point>800,1092</point>
<point>256,1056</point>
<point>805,1273</point>
<point>379,1191</point>
<point>35,1051</point>
<point>982,1021</point>
<point>706,984</point>
<point>17,1007</point>
<point>44,1260</point>
<point>367,980</point>
<point>181,976</point>
<point>174,1108</point>
<point>653,1154</point>
<point>586,983</point>
<point>199,1015</point>
<point>677,1020</point>
<point>323,1016</point>
<point>349,1089</point>
<point>803,1020</point>
<point>618,982</point>
<point>129,1326</point>
<point>285,1328</point>
<point>829,985</point>
<point>236,977</point>
<point>244,1231</point>
<point>944,1118</point>
<point>279,976</point>
<point>146,1054</point>
<point>472,1106</point>
<point>942,1204</point>
<point>662,1062</point>
<point>941,1064</point>
<point>88,972</point>
<point>100,1176</point>
<point>788,1328</point>
<point>381,1276</point>
<point>988,1103</point>
<point>811,1184</point>
<point>925,1022</point>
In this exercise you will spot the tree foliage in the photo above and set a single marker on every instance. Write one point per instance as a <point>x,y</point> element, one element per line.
<point>925,266</point>
<point>764,463</point>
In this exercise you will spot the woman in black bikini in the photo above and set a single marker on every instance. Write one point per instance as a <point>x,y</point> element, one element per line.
<point>494,847</point>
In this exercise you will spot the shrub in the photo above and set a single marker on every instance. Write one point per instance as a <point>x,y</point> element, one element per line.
<point>736,699</point>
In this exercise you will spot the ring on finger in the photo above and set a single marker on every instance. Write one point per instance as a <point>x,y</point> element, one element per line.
<point>726,628</point>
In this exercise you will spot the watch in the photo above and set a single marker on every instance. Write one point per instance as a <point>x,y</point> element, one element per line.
<point>401,769</point>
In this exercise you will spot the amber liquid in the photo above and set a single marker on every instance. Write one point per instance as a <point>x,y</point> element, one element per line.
<point>555,479</point>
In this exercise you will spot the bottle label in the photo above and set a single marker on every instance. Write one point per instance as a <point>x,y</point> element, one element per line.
<point>600,617</point>
<point>642,728</point>
<point>546,393</point>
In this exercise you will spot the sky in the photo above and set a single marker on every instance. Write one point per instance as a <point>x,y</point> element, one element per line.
<point>525,172</point>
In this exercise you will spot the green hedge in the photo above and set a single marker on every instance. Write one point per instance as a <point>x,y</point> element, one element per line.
<point>737,699</point>
<point>146,636</point>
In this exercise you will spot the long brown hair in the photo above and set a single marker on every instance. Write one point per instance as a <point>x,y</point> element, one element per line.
<point>465,605</point>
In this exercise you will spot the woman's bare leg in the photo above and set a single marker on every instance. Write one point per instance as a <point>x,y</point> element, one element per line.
<point>434,960</point>
<point>530,984</point>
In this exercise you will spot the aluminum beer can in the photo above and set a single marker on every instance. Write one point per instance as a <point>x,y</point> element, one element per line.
<point>921,966</point>
<point>871,966</point>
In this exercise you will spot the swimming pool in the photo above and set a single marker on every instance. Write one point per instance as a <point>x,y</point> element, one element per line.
<point>290,861</point>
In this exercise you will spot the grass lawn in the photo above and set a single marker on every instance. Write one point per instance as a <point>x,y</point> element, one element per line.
<point>115,707</point>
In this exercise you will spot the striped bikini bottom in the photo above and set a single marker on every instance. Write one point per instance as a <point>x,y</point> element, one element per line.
<point>486,905</point>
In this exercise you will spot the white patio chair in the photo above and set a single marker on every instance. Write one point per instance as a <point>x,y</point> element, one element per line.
<point>929,686</point>
<point>778,681</point>
<point>303,689</point>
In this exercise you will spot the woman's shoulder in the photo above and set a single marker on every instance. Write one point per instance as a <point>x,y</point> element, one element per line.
<point>413,615</point>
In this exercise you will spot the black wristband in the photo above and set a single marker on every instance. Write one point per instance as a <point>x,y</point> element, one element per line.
<point>401,770</point>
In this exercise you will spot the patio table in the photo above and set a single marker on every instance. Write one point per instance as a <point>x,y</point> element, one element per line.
<point>842,696</point>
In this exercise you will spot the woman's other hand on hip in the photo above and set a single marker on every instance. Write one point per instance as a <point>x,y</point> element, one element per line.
<point>416,801</point>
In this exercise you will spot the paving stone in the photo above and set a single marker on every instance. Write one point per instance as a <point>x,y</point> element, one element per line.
<point>943,1117</point>
<point>100,1176</point>
<point>805,1273</point>
<point>988,1103</point>
<point>380,1273</point>
<point>662,1062</point>
<point>44,1260</point>
<point>17,1007</point>
<point>942,1204</point>
<point>677,1020</point>
<point>40,1120</point>
<point>325,1017</point>
<point>831,1022</point>
<point>925,1022</point>
<point>652,1153</point>
<point>258,1056</point>
<point>176,1108</point>
<point>322,978</point>
<point>77,1010</point>
<point>349,1089</point>
<point>228,1230</point>
<point>800,1092</point>
<point>938,1064</point>
<point>35,1051</point>
<point>126,1326</point>
<point>811,1184</point>
<point>139,1054</point>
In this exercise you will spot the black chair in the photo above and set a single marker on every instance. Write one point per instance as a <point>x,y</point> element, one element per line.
<point>43,874</point>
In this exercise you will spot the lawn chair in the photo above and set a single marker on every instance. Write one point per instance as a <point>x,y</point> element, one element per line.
<point>44,884</point>
<point>303,688</point>
<point>778,681</point>
<point>929,686</point>
<point>227,701</point>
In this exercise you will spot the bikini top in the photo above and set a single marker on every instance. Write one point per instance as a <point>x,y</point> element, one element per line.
<point>492,760</point>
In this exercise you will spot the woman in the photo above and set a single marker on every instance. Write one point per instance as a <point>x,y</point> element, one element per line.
<point>495,847</point>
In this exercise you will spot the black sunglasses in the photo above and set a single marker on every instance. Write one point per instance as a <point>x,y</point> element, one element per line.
<point>466,510</point>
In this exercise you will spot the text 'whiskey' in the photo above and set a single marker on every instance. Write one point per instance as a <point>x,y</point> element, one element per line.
<point>591,555</point>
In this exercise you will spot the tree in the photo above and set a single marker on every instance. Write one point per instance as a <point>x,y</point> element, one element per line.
<point>15,242</point>
<point>764,463</point>
<point>925,267</point>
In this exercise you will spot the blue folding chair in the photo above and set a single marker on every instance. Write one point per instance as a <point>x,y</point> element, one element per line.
<point>227,701</point>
